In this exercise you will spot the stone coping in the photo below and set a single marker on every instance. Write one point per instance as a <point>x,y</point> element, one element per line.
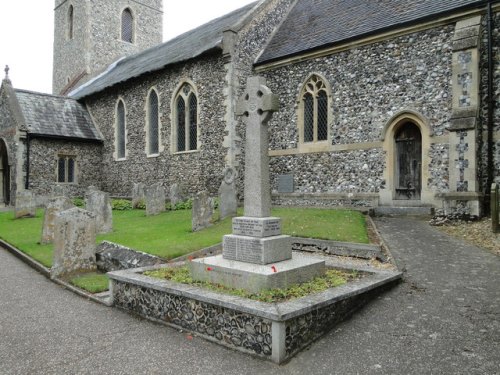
<point>278,312</point>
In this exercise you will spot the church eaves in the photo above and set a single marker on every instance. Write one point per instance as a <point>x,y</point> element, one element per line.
<point>315,25</point>
<point>186,46</point>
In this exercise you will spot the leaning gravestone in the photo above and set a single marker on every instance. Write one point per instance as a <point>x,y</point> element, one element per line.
<point>228,202</point>
<point>137,194</point>
<point>202,212</point>
<point>176,195</point>
<point>74,242</point>
<point>25,204</point>
<point>99,203</point>
<point>154,197</point>
<point>54,207</point>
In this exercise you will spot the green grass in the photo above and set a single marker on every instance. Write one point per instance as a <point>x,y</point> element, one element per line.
<point>332,278</point>
<point>169,235</point>
<point>91,282</point>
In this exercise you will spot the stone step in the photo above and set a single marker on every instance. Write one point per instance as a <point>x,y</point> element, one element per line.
<point>403,211</point>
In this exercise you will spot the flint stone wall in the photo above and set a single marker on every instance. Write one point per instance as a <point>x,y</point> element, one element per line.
<point>43,166</point>
<point>370,84</point>
<point>195,170</point>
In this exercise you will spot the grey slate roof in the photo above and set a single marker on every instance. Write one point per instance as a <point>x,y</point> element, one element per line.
<point>186,46</point>
<point>56,116</point>
<point>316,24</point>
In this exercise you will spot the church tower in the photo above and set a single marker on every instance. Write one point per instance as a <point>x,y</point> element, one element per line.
<point>91,34</point>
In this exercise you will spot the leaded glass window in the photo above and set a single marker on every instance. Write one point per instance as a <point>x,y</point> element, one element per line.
<point>127,26</point>
<point>314,109</point>
<point>120,130</point>
<point>187,119</point>
<point>153,124</point>
<point>66,169</point>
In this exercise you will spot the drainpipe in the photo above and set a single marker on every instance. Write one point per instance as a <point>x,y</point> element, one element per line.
<point>27,184</point>
<point>491,108</point>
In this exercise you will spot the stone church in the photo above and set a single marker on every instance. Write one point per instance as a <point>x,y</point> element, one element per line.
<point>383,103</point>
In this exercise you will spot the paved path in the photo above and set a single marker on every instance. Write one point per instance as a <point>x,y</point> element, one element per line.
<point>444,319</point>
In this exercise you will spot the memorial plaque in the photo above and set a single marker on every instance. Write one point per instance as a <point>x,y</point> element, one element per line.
<point>257,227</point>
<point>257,250</point>
<point>285,183</point>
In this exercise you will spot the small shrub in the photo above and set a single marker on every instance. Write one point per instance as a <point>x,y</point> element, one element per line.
<point>185,205</point>
<point>79,202</point>
<point>141,205</point>
<point>121,204</point>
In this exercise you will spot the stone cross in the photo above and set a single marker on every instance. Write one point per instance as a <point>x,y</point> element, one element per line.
<point>256,106</point>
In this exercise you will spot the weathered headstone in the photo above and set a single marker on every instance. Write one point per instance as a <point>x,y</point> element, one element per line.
<point>25,204</point>
<point>74,242</point>
<point>202,212</point>
<point>256,256</point>
<point>137,194</point>
<point>228,201</point>
<point>58,191</point>
<point>154,197</point>
<point>176,194</point>
<point>54,207</point>
<point>495,199</point>
<point>99,203</point>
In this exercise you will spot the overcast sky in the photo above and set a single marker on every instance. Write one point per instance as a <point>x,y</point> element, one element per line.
<point>26,34</point>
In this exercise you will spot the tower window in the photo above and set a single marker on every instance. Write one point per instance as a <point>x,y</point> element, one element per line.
<point>127,26</point>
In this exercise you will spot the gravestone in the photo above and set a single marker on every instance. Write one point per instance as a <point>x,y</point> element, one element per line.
<point>256,255</point>
<point>202,211</point>
<point>176,195</point>
<point>154,197</point>
<point>74,242</point>
<point>99,203</point>
<point>58,191</point>
<point>495,199</point>
<point>137,194</point>
<point>54,207</point>
<point>228,201</point>
<point>25,204</point>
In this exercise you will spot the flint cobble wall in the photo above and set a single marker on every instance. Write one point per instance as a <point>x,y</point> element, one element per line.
<point>44,155</point>
<point>370,84</point>
<point>195,171</point>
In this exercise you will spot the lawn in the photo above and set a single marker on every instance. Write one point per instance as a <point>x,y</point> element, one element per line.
<point>169,235</point>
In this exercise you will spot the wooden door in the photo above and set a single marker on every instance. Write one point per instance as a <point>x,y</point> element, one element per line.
<point>408,162</point>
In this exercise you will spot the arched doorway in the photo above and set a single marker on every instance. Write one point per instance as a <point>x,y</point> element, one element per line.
<point>408,162</point>
<point>4,174</point>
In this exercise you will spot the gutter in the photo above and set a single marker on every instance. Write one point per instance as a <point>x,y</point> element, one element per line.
<point>27,183</point>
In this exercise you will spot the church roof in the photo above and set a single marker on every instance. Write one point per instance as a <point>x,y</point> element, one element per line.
<point>318,24</point>
<point>55,116</point>
<point>186,46</point>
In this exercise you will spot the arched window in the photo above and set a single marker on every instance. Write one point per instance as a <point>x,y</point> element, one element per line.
<point>120,130</point>
<point>70,22</point>
<point>153,124</point>
<point>313,109</point>
<point>127,26</point>
<point>186,119</point>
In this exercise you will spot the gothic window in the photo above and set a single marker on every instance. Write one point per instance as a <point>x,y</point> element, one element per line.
<point>313,109</point>
<point>120,130</point>
<point>127,26</point>
<point>186,119</point>
<point>70,22</point>
<point>153,124</point>
<point>66,168</point>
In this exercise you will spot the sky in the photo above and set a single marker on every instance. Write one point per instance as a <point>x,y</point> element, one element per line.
<point>27,33</point>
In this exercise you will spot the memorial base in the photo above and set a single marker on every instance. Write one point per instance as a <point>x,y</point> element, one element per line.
<point>257,250</point>
<point>253,277</point>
